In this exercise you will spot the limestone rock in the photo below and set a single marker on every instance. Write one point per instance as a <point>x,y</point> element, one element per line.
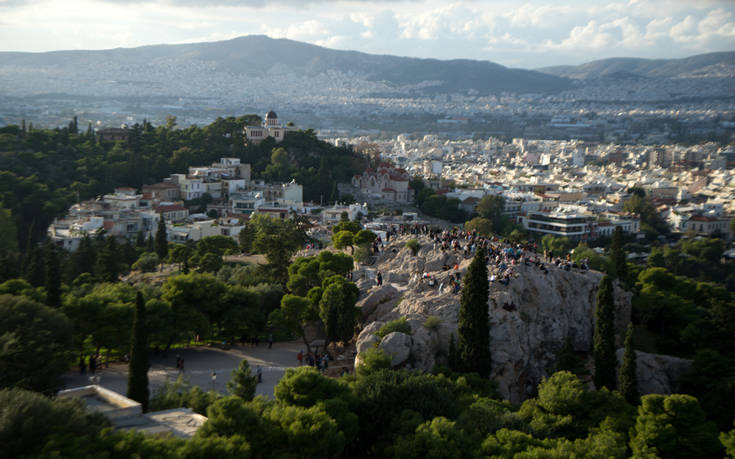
<point>398,346</point>
<point>658,374</point>
<point>375,297</point>
<point>530,318</point>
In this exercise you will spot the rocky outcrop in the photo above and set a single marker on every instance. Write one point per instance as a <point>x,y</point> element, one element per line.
<point>530,318</point>
<point>658,374</point>
<point>398,346</point>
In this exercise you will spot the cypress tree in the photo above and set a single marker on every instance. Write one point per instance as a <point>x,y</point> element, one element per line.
<point>107,262</point>
<point>53,277</point>
<point>474,329</point>
<point>604,337</point>
<point>617,253</point>
<point>161,240</point>
<point>149,244</point>
<point>140,239</point>
<point>34,270</point>
<point>138,365</point>
<point>628,380</point>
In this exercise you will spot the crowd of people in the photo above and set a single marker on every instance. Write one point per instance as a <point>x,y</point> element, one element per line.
<point>503,257</point>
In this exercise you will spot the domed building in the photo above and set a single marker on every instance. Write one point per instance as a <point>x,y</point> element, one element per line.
<point>270,128</point>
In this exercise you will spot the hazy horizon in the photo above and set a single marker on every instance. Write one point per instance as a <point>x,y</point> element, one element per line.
<point>538,33</point>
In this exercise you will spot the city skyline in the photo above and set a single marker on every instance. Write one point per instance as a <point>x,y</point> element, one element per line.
<point>532,35</point>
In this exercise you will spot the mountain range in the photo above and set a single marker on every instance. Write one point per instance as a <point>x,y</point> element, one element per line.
<point>699,65</point>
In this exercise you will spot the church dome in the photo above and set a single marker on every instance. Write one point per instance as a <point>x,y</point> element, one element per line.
<point>271,115</point>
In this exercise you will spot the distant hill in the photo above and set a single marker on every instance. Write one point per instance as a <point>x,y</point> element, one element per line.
<point>257,56</point>
<point>711,64</point>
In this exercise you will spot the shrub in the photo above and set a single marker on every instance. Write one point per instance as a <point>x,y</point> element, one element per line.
<point>398,325</point>
<point>432,323</point>
<point>414,246</point>
<point>147,262</point>
<point>371,361</point>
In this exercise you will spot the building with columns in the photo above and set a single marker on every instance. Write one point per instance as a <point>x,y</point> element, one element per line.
<point>270,128</point>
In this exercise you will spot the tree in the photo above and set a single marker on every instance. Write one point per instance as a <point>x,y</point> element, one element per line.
<point>474,328</point>
<point>210,263</point>
<point>243,382</point>
<point>161,239</point>
<point>298,311</point>
<point>53,277</point>
<point>107,268</point>
<point>342,240</point>
<point>278,240</point>
<point>34,344</point>
<point>628,380</point>
<point>337,308</point>
<point>491,207</point>
<point>604,336</point>
<point>673,426</point>
<point>147,262</point>
<point>617,253</point>
<point>413,245</point>
<point>480,224</point>
<point>245,238</point>
<point>138,365</point>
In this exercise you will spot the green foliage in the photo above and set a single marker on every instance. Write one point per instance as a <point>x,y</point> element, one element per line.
<point>439,206</point>
<point>432,323</point>
<point>138,365</point>
<point>438,438</point>
<point>728,441</point>
<point>491,207</point>
<point>337,308</point>
<point>210,263</point>
<point>373,360</point>
<point>28,421</point>
<point>278,239</point>
<point>413,245</point>
<point>147,263</point>
<point>604,336</point>
<point>473,326</point>
<point>396,325</point>
<point>34,344</point>
<point>483,226</point>
<point>107,268</point>
<point>346,225</point>
<point>343,239</point>
<point>364,237</point>
<point>560,246</point>
<point>305,386</point>
<point>673,426</point>
<point>617,254</point>
<point>595,260</point>
<point>181,393</point>
<point>628,379</point>
<point>651,220</point>
<point>243,382</point>
<point>53,277</point>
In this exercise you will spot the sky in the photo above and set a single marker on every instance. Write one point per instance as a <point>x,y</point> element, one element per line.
<point>525,34</point>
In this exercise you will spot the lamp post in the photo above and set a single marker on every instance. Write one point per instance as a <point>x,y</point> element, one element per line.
<point>214,380</point>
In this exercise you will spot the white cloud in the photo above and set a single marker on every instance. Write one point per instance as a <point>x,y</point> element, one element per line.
<point>531,33</point>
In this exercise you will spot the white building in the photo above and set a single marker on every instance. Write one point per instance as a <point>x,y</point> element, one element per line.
<point>270,128</point>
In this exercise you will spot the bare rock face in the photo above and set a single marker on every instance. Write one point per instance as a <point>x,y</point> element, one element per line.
<point>658,374</point>
<point>376,297</point>
<point>398,346</point>
<point>530,318</point>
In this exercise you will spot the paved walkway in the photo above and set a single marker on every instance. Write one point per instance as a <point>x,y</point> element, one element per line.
<point>199,363</point>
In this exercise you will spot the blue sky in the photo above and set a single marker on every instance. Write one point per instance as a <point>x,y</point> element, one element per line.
<point>527,34</point>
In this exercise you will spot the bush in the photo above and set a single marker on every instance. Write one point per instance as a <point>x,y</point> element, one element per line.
<point>147,263</point>
<point>398,325</point>
<point>414,246</point>
<point>432,323</point>
<point>371,361</point>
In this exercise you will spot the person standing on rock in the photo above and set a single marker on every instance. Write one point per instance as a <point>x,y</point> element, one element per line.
<point>379,279</point>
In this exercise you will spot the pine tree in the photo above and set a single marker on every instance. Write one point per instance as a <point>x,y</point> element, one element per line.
<point>604,337</point>
<point>628,380</point>
<point>474,328</point>
<point>107,268</point>
<point>82,260</point>
<point>161,240</point>
<point>243,382</point>
<point>140,239</point>
<point>617,253</point>
<point>138,365</point>
<point>53,277</point>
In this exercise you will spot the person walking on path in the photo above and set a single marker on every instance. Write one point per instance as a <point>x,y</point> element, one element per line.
<point>300,357</point>
<point>92,364</point>
<point>270,340</point>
